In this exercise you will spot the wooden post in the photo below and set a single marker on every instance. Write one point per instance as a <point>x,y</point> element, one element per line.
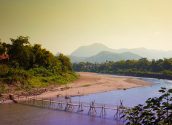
<point>80,107</point>
<point>66,108</point>
<point>121,108</point>
<point>92,110</point>
<point>34,101</point>
<point>60,105</point>
<point>42,103</point>
<point>103,112</point>
<point>26,99</point>
<point>50,105</point>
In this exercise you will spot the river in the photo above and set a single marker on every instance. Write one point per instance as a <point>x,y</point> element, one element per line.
<point>16,114</point>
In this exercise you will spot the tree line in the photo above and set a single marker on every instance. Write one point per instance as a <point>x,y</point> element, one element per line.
<point>24,55</point>
<point>161,68</point>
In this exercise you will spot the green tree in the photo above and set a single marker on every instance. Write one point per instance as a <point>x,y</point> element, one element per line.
<point>20,52</point>
<point>167,64</point>
<point>3,47</point>
<point>65,61</point>
<point>143,64</point>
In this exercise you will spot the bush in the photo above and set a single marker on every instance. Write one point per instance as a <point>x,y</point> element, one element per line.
<point>40,71</point>
<point>156,111</point>
<point>167,73</point>
<point>3,70</point>
<point>3,88</point>
<point>17,75</point>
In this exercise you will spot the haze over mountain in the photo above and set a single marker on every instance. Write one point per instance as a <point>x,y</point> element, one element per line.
<point>90,52</point>
<point>110,56</point>
<point>106,56</point>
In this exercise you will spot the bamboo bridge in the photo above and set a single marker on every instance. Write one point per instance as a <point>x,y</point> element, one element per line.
<point>92,109</point>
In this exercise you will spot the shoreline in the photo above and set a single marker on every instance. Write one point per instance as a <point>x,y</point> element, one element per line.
<point>91,83</point>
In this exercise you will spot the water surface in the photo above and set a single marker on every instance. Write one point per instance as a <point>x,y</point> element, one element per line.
<point>16,114</point>
<point>130,97</point>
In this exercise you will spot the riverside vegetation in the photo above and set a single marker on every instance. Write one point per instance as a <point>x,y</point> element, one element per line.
<point>155,111</point>
<point>31,67</point>
<point>161,68</point>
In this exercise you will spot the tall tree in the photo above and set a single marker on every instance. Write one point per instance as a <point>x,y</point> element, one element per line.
<point>65,61</point>
<point>19,51</point>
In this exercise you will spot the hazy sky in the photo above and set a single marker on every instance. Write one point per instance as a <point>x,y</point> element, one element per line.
<point>64,25</point>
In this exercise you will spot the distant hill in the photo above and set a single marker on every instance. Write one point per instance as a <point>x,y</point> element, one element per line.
<point>90,50</point>
<point>106,56</point>
<point>110,56</point>
<point>148,53</point>
<point>94,49</point>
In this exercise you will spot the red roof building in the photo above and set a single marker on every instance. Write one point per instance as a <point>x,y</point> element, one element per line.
<point>4,57</point>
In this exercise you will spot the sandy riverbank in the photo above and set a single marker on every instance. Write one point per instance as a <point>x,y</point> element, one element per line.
<point>93,83</point>
<point>89,83</point>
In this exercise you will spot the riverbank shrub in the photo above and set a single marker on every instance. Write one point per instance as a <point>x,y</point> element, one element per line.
<point>3,70</point>
<point>40,71</point>
<point>156,111</point>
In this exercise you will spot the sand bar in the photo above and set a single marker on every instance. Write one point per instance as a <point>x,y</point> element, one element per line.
<point>89,83</point>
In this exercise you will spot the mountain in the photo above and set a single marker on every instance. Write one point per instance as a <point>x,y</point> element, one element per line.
<point>90,50</point>
<point>110,56</point>
<point>94,49</point>
<point>106,56</point>
<point>148,53</point>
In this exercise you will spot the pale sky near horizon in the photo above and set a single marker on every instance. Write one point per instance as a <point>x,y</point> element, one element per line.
<point>64,25</point>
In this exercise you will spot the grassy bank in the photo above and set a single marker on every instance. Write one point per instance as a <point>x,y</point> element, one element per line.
<point>15,80</point>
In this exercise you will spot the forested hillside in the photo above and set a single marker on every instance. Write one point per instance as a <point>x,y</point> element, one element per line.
<point>161,68</point>
<point>24,66</point>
